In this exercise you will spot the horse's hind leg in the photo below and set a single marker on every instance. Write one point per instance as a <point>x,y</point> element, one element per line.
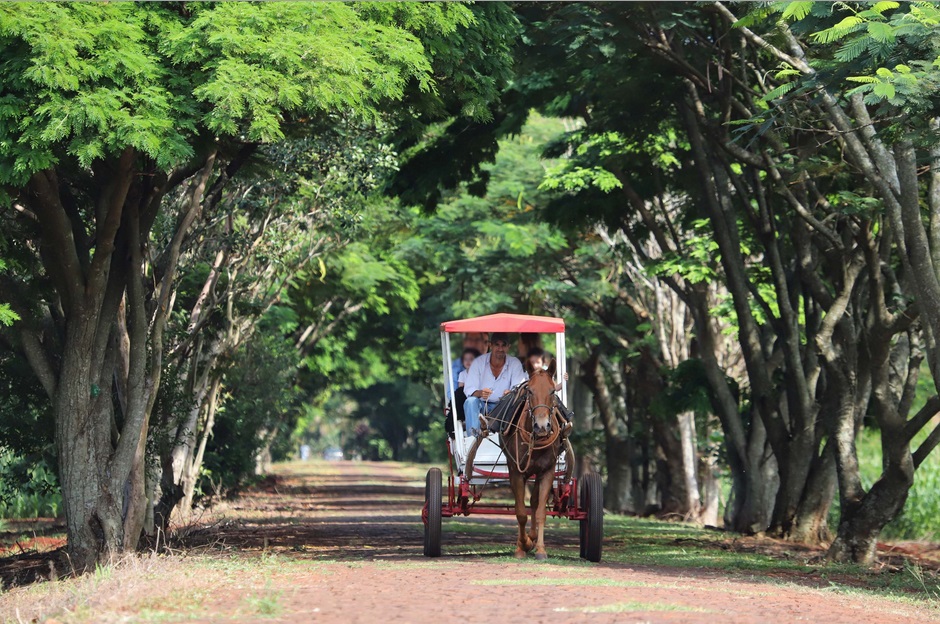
<point>543,487</point>
<point>524,543</point>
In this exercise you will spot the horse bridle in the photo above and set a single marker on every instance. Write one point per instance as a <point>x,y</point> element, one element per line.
<point>531,408</point>
<point>544,443</point>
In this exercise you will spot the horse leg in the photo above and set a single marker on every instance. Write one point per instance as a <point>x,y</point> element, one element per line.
<point>534,502</point>
<point>523,543</point>
<point>544,488</point>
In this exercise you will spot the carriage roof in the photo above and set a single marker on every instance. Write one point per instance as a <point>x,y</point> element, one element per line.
<point>509,323</point>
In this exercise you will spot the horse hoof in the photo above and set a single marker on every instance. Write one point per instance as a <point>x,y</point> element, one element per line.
<point>529,545</point>
<point>520,554</point>
<point>541,556</point>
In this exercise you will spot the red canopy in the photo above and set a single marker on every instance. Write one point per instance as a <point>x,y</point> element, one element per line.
<point>509,323</point>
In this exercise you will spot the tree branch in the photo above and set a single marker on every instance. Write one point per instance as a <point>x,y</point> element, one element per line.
<point>109,212</point>
<point>921,418</point>
<point>926,447</point>
<point>38,361</point>
<point>60,254</point>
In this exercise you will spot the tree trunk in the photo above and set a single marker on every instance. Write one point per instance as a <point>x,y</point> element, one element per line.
<point>580,399</point>
<point>618,494</point>
<point>862,521</point>
<point>758,486</point>
<point>101,494</point>
<point>811,524</point>
<point>192,461</point>
<point>92,509</point>
<point>679,494</point>
<point>710,490</point>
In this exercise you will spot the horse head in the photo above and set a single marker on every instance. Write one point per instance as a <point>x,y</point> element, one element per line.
<point>541,399</point>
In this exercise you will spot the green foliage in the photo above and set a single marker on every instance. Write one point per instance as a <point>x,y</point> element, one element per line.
<point>87,81</point>
<point>257,413</point>
<point>26,423</point>
<point>920,518</point>
<point>579,178</point>
<point>445,136</point>
<point>295,58</point>
<point>698,260</point>
<point>887,49</point>
<point>7,316</point>
<point>28,487</point>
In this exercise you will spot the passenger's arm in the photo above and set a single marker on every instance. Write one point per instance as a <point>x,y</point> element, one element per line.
<point>518,374</point>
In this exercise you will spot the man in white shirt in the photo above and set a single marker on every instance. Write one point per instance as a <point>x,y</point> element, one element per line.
<point>490,377</point>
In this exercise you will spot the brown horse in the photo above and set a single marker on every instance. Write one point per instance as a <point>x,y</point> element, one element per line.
<point>532,443</point>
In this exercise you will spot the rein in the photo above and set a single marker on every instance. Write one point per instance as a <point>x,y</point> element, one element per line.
<point>530,439</point>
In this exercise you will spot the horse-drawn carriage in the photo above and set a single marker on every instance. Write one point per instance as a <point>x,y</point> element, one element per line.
<point>531,448</point>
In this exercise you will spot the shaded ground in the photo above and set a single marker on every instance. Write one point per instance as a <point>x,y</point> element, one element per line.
<point>341,542</point>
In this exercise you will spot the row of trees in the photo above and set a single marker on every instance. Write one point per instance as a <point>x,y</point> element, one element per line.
<point>770,179</point>
<point>170,173</point>
<point>790,157</point>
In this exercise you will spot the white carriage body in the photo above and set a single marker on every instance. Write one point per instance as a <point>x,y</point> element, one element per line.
<point>489,463</point>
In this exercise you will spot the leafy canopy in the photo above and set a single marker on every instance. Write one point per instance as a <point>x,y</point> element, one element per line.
<point>86,81</point>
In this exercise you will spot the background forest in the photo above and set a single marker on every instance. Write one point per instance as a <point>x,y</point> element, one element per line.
<point>232,229</point>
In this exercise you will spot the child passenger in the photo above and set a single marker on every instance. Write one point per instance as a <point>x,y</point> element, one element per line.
<point>537,360</point>
<point>466,359</point>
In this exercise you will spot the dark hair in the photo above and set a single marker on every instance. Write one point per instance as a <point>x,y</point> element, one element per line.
<point>471,351</point>
<point>539,351</point>
<point>530,340</point>
<point>499,336</point>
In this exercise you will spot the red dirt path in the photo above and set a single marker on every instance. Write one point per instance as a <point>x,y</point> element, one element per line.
<point>342,542</point>
<point>362,520</point>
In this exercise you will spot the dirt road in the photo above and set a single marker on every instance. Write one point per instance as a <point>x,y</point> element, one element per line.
<point>342,542</point>
<point>361,522</point>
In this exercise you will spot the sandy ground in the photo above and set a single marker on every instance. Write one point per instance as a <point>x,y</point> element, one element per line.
<point>342,542</point>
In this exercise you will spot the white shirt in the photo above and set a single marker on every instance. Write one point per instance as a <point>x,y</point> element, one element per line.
<point>462,378</point>
<point>480,376</point>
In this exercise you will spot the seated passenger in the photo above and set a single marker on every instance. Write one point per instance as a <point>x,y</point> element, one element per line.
<point>471,340</point>
<point>466,359</point>
<point>490,377</point>
<point>537,359</point>
<point>527,343</point>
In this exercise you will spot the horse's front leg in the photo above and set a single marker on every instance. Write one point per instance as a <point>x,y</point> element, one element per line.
<point>524,542</point>
<point>534,504</point>
<point>544,487</point>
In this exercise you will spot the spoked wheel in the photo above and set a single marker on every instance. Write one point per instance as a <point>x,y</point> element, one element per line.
<point>432,524</point>
<point>592,527</point>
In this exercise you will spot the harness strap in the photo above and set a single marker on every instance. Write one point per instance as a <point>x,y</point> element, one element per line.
<point>530,439</point>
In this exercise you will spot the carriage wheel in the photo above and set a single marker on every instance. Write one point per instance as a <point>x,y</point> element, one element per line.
<point>432,500</point>
<point>592,527</point>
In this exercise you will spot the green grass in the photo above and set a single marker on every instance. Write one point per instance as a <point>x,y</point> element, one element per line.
<point>920,519</point>
<point>633,606</point>
<point>267,604</point>
<point>640,542</point>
